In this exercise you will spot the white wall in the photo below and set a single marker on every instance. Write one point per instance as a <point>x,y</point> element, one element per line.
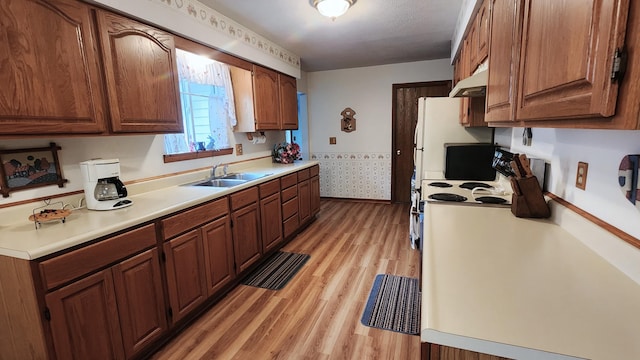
<point>359,165</point>
<point>140,158</point>
<point>602,150</point>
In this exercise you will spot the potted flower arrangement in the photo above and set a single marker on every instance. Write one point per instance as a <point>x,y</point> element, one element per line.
<point>286,153</point>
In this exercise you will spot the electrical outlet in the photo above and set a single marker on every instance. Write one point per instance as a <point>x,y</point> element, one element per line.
<point>332,140</point>
<point>238,149</point>
<point>581,175</point>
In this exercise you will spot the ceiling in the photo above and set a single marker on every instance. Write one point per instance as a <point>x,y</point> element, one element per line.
<point>372,32</point>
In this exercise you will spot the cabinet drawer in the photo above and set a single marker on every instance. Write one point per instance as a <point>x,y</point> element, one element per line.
<point>288,180</point>
<point>244,198</point>
<point>290,226</point>
<point>303,175</point>
<point>289,193</point>
<point>290,208</point>
<point>71,265</point>
<point>269,188</point>
<point>189,219</point>
<point>314,171</point>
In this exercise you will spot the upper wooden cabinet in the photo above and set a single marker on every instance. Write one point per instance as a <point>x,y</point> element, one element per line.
<point>503,51</point>
<point>288,91</point>
<point>50,69</point>
<point>53,80</point>
<point>553,59</point>
<point>482,29</point>
<point>265,99</point>
<point>141,76</point>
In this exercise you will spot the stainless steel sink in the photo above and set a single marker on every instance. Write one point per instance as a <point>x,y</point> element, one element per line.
<point>245,176</point>
<point>221,182</point>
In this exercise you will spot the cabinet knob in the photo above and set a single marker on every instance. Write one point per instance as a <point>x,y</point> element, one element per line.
<point>398,152</point>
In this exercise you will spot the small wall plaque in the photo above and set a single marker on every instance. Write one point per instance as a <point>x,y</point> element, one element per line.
<point>348,121</point>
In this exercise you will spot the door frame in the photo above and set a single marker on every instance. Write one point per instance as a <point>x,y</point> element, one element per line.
<point>394,120</point>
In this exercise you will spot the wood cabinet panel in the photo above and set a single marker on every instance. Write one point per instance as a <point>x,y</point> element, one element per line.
<point>142,56</point>
<point>271,219</point>
<point>246,236</point>
<point>290,226</point>
<point>269,188</point>
<point>84,319</point>
<point>141,307</point>
<point>186,280</point>
<point>504,45</point>
<point>288,180</point>
<point>288,102</point>
<point>189,219</point>
<point>265,98</point>
<point>314,192</point>
<point>303,174</point>
<point>218,254</point>
<point>314,170</point>
<point>244,198</point>
<point>482,25</point>
<point>66,267</point>
<point>569,75</point>
<point>50,69</point>
<point>304,201</point>
<point>290,208</point>
<point>289,193</point>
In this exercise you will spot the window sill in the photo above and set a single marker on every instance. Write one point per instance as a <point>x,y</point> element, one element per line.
<point>196,155</point>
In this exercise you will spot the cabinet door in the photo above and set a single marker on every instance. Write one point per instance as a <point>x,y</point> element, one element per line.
<point>218,254</point>
<point>288,102</point>
<point>50,69</point>
<point>472,37</point>
<point>84,319</point>
<point>265,97</point>
<point>138,286</point>
<point>304,201</point>
<point>247,243</point>
<point>482,25</point>
<point>314,200</point>
<point>504,45</point>
<point>185,273</point>
<point>271,218</point>
<point>567,56</point>
<point>141,76</point>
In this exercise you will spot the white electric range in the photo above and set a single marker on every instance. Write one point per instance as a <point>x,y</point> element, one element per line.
<point>467,192</point>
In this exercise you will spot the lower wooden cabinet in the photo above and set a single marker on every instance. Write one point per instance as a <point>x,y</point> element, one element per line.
<point>304,201</point>
<point>247,240</point>
<point>140,299</point>
<point>112,314</point>
<point>314,199</point>
<point>218,254</point>
<point>84,319</point>
<point>271,219</point>
<point>186,279</point>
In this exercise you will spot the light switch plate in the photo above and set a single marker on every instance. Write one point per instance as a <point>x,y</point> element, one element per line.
<point>238,149</point>
<point>581,175</point>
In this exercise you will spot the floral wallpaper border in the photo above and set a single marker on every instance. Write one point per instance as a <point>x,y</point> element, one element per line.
<point>230,28</point>
<point>355,175</point>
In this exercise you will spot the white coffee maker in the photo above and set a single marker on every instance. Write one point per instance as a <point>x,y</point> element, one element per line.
<point>103,189</point>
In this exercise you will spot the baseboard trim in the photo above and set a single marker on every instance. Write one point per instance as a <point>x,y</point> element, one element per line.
<point>374,201</point>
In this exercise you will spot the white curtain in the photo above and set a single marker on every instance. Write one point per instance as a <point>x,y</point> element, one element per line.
<point>202,70</point>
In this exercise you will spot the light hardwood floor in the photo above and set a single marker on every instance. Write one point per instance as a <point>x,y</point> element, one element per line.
<point>317,315</point>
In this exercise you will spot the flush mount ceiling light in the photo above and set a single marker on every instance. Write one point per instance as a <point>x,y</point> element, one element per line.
<point>333,8</point>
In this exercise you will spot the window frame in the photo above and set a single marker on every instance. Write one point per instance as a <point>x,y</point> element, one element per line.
<point>214,54</point>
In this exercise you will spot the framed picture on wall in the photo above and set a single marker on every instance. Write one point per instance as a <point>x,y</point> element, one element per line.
<point>30,168</point>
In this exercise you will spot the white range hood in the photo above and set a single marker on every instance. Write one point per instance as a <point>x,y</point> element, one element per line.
<point>473,86</point>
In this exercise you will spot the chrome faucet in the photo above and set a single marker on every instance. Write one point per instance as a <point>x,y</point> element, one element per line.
<point>213,169</point>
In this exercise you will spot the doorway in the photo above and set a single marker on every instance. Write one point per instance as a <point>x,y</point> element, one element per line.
<point>404,119</point>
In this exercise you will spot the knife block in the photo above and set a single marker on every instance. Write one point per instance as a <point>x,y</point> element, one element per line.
<point>527,201</point>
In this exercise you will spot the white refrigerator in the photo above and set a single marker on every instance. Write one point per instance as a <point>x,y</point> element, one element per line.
<point>438,124</point>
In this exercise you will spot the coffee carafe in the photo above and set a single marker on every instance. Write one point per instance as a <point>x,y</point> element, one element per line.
<point>103,189</point>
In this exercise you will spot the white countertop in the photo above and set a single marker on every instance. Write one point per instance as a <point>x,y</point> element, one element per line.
<point>23,241</point>
<point>522,288</point>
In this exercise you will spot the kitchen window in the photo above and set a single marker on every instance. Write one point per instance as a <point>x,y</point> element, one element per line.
<point>208,108</point>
